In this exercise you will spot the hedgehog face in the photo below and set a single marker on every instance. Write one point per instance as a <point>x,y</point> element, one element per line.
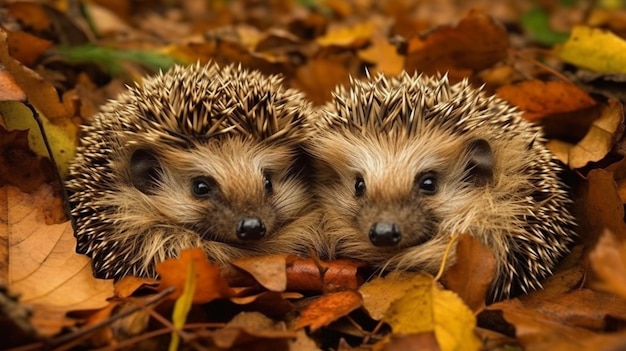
<point>396,194</point>
<point>232,191</point>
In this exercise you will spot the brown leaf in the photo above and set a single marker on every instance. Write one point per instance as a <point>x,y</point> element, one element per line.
<point>252,328</point>
<point>319,77</point>
<point>129,284</point>
<point>305,275</point>
<point>608,260</point>
<point>9,90</point>
<point>270,303</point>
<point>604,207</point>
<point>539,99</point>
<point>19,166</point>
<point>26,47</point>
<point>41,93</point>
<point>328,308</point>
<point>472,273</point>
<point>476,43</point>
<point>209,283</point>
<point>44,268</point>
<point>537,330</point>
<point>601,137</point>
<point>406,342</point>
<point>270,270</point>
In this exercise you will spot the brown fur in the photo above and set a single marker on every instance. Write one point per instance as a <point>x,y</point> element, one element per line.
<point>232,126</point>
<point>367,132</point>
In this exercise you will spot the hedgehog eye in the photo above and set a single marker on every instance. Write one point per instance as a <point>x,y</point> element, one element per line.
<point>268,184</point>
<point>428,184</point>
<point>202,186</point>
<point>359,186</point>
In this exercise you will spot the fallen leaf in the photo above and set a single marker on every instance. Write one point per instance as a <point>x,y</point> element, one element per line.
<point>273,304</point>
<point>594,49</point>
<point>319,77</point>
<point>476,43</point>
<point>604,208</point>
<point>538,99</point>
<point>252,328</point>
<point>328,308</point>
<point>210,285</point>
<point>608,260</point>
<point>305,275</point>
<point>9,90</point>
<point>472,273</point>
<point>26,47</point>
<point>270,270</point>
<point>129,284</point>
<point>347,37</point>
<point>44,269</point>
<point>384,56</point>
<point>379,293</point>
<point>601,137</point>
<point>427,307</point>
<point>407,342</point>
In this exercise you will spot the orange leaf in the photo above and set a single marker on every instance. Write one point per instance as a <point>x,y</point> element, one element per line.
<point>608,260</point>
<point>385,55</point>
<point>539,99</point>
<point>354,36</point>
<point>318,77</point>
<point>305,275</point>
<point>471,275</point>
<point>210,284</point>
<point>9,90</point>
<point>129,284</point>
<point>328,308</point>
<point>476,43</point>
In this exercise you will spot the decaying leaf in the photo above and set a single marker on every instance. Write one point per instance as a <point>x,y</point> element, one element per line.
<point>210,284</point>
<point>44,269</point>
<point>604,207</point>
<point>328,308</point>
<point>472,273</point>
<point>539,99</point>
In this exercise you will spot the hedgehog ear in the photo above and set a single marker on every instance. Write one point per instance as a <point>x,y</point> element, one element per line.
<point>144,171</point>
<point>480,161</point>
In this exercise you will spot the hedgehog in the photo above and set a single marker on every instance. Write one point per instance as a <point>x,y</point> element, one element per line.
<point>200,156</point>
<point>404,163</point>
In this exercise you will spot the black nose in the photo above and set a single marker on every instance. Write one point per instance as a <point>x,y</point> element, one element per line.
<point>250,228</point>
<point>385,234</point>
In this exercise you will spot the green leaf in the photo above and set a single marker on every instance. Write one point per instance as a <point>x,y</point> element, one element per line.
<point>537,23</point>
<point>110,58</point>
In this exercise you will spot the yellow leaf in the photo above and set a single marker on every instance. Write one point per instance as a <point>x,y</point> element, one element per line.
<point>183,305</point>
<point>594,49</point>
<point>61,137</point>
<point>379,293</point>
<point>427,307</point>
<point>354,36</point>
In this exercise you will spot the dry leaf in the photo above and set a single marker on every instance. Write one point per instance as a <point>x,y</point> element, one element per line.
<point>319,77</point>
<point>427,307</point>
<point>252,328</point>
<point>305,275</point>
<point>384,56</point>
<point>270,271</point>
<point>44,269</point>
<point>601,137</point>
<point>472,273</point>
<point>539,99</point>
<point>604,207</point>
<point>270,303</point>
<point>407,342</point>
<point>379,293</point>
<point>129,284</point>
<point>328,308</point>
<point>608,260</point>
<point>9,90</point>
<point>210,284</point>
<point>476,43</point>
<point>26,47</point>
<point>347,37</point>
<point>595,49</point>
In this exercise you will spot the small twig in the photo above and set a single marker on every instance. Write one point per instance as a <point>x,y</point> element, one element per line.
<point>540,64</point>
<point>85,332</point>
<point>367,337</point>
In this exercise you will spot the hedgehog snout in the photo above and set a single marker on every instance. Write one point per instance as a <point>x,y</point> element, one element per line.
<point>385,234</point>
<point>250,228</point>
